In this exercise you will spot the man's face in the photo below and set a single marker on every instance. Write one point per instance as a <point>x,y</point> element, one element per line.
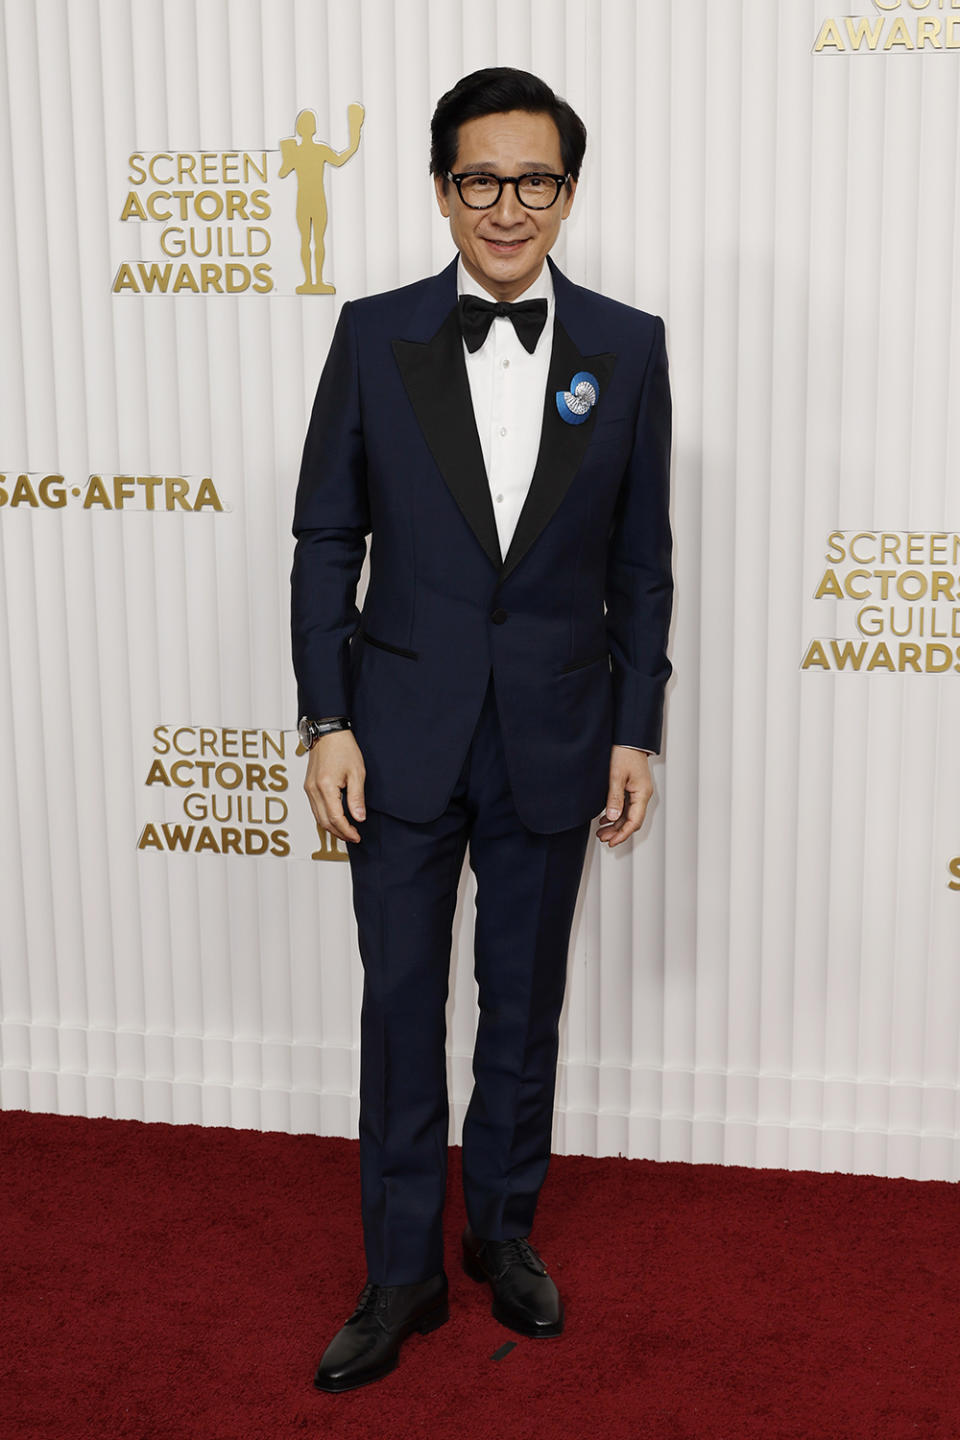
<point>504,248</point>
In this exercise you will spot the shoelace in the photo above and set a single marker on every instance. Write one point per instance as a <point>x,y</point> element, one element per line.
<point>372,1297</point>
<point>521,1250</point>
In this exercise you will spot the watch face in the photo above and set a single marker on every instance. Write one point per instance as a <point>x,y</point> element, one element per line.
<point>305,733</point>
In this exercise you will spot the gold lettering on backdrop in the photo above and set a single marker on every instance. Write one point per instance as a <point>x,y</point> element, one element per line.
<point>903,547</point>
<point>307,158</point>
<point>828,39</point>
<point>863,28</point>
<point>899,35</point>
<point>897,27</point>
<point>228,786</point>
<point>933,659</point>
<point>211,279</point>
<point>901,589</point>
<point>243,200</point>
<point>110,492</point>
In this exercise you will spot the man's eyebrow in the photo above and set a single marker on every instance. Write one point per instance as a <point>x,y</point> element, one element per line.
<point>539,167</point>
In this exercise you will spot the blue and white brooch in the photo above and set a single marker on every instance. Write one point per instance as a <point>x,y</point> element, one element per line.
<point>576,403</point>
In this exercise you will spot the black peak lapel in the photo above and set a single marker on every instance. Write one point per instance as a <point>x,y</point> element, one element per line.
<point>434,374</point>
<point>562,446</point>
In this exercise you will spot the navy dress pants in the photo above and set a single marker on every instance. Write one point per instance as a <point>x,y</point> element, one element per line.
<point>405,878</point>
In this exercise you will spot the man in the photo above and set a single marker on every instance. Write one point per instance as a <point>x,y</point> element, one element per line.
<point>509,457</point>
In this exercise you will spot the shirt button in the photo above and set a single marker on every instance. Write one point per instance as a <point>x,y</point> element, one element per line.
<point>499,497</point>
<point>503,429</point>
<point>505,364</point>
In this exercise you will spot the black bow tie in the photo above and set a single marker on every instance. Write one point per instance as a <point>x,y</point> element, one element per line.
<point>476,317</point>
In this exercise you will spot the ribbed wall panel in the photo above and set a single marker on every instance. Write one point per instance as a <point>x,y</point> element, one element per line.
<point>768,974</point>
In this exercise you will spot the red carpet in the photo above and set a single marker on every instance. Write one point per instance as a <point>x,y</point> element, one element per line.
<point>175,1283</point>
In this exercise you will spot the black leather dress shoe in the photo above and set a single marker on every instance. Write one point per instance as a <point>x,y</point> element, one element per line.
<point>367,1346</point>
<point>524,1297</point>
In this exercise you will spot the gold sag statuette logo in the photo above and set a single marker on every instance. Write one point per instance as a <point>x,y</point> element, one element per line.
<point>217,216</point>
<point>307,158</point>
<point>886,30</point>
<point>227,789</point>
<point>903,588</point>
<point>35,491</point>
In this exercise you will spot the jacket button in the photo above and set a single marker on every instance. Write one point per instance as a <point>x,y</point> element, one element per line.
<point>498,617</point>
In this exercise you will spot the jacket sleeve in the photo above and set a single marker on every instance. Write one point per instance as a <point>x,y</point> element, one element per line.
<point>639,588</point>
<point>331,522</point>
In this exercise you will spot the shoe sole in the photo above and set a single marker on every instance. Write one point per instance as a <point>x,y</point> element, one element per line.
<point>428,1322</point>
<point>475,1270</point>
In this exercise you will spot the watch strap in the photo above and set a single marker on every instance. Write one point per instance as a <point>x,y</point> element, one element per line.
<point>311,730</point>
<point>335,722</point>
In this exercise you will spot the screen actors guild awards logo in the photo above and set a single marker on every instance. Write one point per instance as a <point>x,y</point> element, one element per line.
<point>218,225</point>
<point>901,589</point>
<point>307,158</point>
<point>222,790</point>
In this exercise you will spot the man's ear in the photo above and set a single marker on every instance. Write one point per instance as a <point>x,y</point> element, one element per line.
<point>571,190</point>
<point>440,184</point>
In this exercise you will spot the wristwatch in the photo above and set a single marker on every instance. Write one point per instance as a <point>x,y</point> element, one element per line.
<point>311,730</point>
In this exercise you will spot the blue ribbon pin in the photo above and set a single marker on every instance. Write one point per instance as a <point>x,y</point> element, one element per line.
<point>574,405</point>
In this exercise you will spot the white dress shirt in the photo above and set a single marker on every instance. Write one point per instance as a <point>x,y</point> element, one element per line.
<point>507,386</point>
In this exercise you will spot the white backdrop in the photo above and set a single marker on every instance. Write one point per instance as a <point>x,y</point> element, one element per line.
<point>769,976</point>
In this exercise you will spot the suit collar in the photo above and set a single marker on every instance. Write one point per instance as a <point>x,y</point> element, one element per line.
<point>431,363</point>
<point>434,373</point>
<point>576,309</point>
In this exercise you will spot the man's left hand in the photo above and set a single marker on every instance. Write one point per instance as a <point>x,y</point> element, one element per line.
<point>628,794</point>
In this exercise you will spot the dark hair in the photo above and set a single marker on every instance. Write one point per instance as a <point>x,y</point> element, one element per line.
<point>491,92</point>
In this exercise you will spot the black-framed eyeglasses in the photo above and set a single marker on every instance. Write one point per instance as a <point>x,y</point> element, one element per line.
<point>480,191</point>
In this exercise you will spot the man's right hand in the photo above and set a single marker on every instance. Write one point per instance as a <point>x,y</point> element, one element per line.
<point>335,762</point>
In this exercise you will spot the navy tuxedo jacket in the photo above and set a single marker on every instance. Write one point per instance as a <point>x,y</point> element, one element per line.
<point>392,451</point>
